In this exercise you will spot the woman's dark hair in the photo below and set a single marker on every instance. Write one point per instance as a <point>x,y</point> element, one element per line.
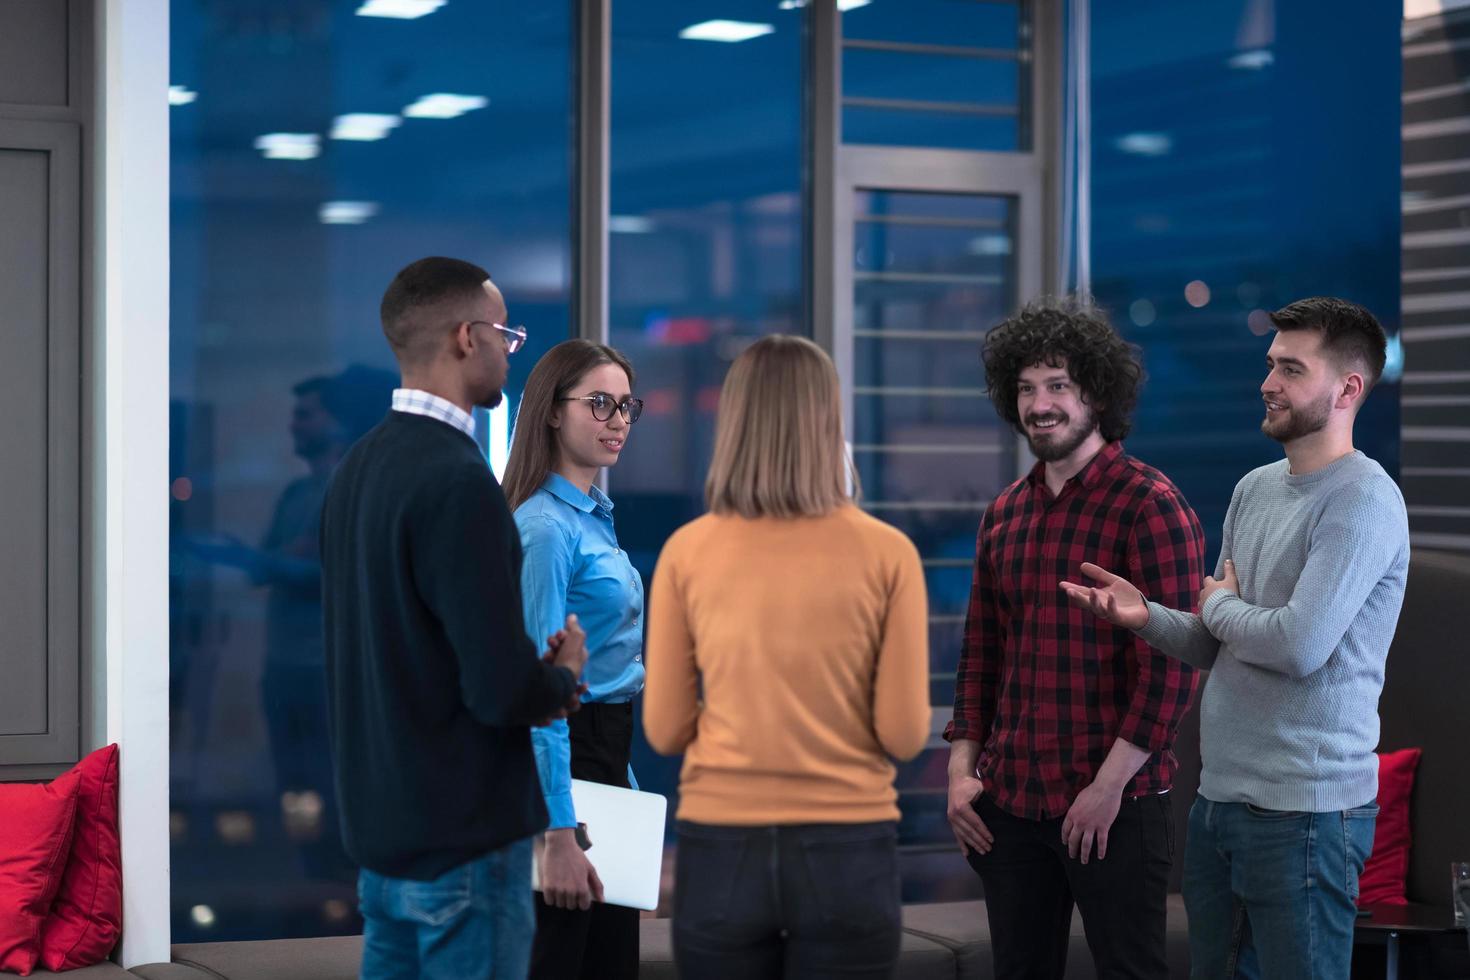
<point>533,443</point>
<point>1074,334</point>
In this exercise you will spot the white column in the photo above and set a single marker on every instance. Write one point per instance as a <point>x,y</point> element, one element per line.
<point>131,447</point>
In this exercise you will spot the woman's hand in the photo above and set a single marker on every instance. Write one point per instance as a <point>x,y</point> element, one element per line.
<point>568,880</point>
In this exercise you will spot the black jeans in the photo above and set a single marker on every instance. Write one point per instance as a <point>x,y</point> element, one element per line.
<point>1031,885</point>
<point>601,942</point>
<point>806,901</point>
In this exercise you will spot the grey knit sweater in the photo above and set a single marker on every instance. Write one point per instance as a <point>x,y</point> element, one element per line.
<point>1289,715</point>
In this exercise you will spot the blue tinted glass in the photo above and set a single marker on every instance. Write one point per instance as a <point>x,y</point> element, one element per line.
<point>883,74</point>
<point>988,211</point>
<point>885,126</point>
<point>931,274</point>
<point>968,23</point>
<point>940,73</point>
<point>1203,174</point>
<point>284,239</point>
<point>706,235</point>
<point>978,254</point>
<point>705,247</point>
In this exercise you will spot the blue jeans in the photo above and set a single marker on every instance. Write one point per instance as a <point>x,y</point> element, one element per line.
<point>474,922</point>
<point>1270,893</point>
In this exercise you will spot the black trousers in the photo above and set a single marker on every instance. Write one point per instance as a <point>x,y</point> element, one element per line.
<point>602,941</point>
<point>1031,885</point>
<point>805,902</point>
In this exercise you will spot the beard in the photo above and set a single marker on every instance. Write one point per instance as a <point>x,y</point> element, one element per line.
<point>491,400</point>
<point>1299,422</point>
<point>1061,441</point>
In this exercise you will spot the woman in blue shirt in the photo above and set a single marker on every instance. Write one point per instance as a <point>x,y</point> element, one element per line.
<point>574,420</point>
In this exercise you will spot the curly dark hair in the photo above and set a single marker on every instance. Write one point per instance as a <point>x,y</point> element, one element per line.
<point>1070,332</point>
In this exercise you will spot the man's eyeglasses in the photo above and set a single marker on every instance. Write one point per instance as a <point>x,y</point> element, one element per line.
<point>602,406</point>
<point>514,337</point>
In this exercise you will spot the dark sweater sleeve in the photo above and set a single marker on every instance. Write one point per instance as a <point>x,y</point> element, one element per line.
<point>464,554</point>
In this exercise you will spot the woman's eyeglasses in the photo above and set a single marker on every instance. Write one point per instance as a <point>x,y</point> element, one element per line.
<point>602,406</point>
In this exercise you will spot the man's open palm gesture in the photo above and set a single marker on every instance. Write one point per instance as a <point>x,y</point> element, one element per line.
<point>1112,597</point>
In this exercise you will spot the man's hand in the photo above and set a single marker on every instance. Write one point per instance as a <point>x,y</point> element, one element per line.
<point>568,880</point>
<point>1212,585</point>
<point>1113,598</point>
<point>571,650</point>
<point>969,830</point>
<point>1089,819</point>
<point>553,645</point>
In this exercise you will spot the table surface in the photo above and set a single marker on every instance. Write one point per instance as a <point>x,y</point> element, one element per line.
<point>1408,918</point>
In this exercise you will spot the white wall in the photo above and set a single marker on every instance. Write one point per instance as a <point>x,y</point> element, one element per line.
<point>130,508</point>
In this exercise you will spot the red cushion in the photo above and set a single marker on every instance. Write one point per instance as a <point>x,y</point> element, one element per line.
<point>1383,879</point>
<point>86,917</point>
<point>36,822</point>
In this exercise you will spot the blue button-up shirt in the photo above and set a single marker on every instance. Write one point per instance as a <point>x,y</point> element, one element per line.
<point>573,564</point>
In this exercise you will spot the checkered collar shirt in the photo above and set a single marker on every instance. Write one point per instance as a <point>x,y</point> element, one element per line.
<point>1045,687</point>
<point>416,402</point>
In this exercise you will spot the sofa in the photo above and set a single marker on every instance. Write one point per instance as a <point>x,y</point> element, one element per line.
<point>1424,704</point>
<point>1426,697</point>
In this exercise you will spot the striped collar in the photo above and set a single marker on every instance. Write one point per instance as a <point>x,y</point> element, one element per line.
<point>415,402</point>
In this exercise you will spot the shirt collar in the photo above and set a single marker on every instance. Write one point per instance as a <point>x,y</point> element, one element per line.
<point>414,401</point>
<point>1090,474</point>
<point>564,490</point>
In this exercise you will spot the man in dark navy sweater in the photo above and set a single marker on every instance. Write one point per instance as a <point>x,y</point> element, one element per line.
<point>432,681</point>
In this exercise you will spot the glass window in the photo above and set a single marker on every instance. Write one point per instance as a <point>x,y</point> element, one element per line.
<point>314,153</point>
<point>705,245</point>
<point>937,73</point>
<point>931,273</point>
<point>1210,202</point>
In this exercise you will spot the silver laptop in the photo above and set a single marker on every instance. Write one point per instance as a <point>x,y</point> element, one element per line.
<point>625,828</point>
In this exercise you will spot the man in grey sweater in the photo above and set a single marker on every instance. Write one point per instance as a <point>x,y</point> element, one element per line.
<point>1294,628</point>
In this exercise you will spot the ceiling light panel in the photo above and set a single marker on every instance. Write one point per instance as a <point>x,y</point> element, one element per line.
<point>364,126</point>
<point>347,212</point>
<point>729,31</point>
<point>399,9</point>
<point>289,146</point>
<point>445,105</point>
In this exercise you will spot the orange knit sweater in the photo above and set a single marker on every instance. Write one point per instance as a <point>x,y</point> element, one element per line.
<point>788,660</point>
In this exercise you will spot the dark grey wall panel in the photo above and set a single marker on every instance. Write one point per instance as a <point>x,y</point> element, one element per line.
<point>40,447</point>
<point>33,52</point>
<point>24,193</point>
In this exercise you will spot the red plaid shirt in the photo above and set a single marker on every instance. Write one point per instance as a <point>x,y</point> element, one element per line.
<point>1045,687</point>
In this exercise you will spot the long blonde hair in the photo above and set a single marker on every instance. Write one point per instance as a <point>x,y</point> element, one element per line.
<point>533,443</point>
<point>779,450</point>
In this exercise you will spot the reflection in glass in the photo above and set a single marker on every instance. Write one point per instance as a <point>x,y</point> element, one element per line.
<point>444,134</point>
<point>938,73</point>
<point>705,251</point>
<point>931,274</point>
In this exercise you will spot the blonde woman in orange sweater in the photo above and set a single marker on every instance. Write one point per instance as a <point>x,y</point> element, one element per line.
<point>787,655</point>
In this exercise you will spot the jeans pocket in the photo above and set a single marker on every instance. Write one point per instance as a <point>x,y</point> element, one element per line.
<point>1358,825</point>
<point>435,903</point>
<point>1168,817</point>
<point>707,867</point>
<point>854,879</point>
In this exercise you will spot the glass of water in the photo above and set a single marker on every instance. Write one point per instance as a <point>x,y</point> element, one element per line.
<point>1459,889</point>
